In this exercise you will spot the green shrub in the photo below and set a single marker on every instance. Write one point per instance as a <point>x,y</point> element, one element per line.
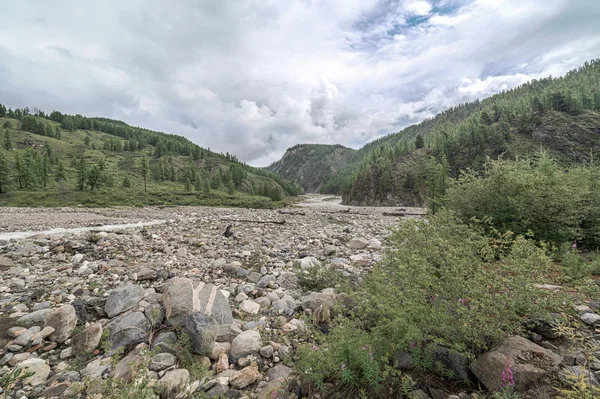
<point>556,205</point>
<point>442,284</point>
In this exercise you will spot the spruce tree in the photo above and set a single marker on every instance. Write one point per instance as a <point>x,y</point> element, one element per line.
<point>4,179</point>
<point>145,169</point>
<point>59,173</point>
<point>188,185</point>
<point>419,142</point>
<point>206,186</point>
<point>7,143</point>
<point>126,182</point>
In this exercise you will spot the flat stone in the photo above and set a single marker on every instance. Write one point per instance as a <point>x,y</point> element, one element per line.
<point>162,361</point>
<point>40,371</point>
<point>37,317</point>
<point>249,306</point>
<point>357,243</point>
<point>590,318</point>
<point>130,329</point>
<point>279,371</point>
<point>127,368</point>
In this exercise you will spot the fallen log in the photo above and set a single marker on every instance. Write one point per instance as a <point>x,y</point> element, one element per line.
<point>402,214</point>
<point>280,222</point>
<point>293,213</point>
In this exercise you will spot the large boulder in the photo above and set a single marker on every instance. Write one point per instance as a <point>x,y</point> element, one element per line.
<point>454,362</point>
<point>87,340</point>
<point>64,321</point>
<point>202,330</point>
<point>122,299</point>
<point>248,342</point>
<point>529,363</point>
<point>213,303</point>
<point>181,297</point>
<point>179,300</point>
<point>129,329</point>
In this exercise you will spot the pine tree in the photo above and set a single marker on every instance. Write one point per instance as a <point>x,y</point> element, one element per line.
<point>44,171</point>
<point>4,179</point>
<point>126,182</point>
<point>198,185</point>
<point>81,173</point>
<point>7,143</point>
<point>230,186</point>
<point>59,173</point>
<point>419,142</point>
<point>188,186</point>
<point>145,169</point>
<point>206,186</point>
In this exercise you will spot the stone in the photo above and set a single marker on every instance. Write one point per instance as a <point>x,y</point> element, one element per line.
<point>87,340</point>
<point>228,332</point>
<point>24,338</point>
<point>14,332</point>
<point>249,306</point>
<point>172,383</point>
<point>213,303</point>
<point>279,371</point>
<point>129,329</point>
<point>18,358</point>
<point>5,263</point>
<point>165,342</point>
<point>273,389</point>
<point>357,243</point>
<point>76,259</point>
<point>37,317</point>
<point>162,361</point>
<point>180,300</point>
<point>202,331</point>
<point>80,311</point>
<point>248,342</point>
<point>155,313</point>
<point>40,371</point>
<point>265,280</point>
<point>217,391</point>
<point>245,377</point>
<point>122,299</point>
<point>127,368</point>
<point>223,362</point>
<point>146,274</point>
<point>454,362</point>
<point>529,362</point>
<point>590,318</point>
<point>217,349</point>
<point>266,351</point>
<point>96,368</point>
<point>64,321</point>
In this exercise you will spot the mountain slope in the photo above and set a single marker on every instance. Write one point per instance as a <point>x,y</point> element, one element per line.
<point>56,159</point>
<point>313,165</point>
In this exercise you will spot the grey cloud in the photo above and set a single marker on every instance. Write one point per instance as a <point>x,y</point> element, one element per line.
<point>253,78</point>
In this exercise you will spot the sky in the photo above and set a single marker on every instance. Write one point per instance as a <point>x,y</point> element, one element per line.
<point>254,77</point>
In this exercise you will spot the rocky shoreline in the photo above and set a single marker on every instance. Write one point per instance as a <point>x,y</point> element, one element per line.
<point>80,311</point>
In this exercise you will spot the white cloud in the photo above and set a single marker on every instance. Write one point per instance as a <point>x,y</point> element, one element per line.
<point>253,78</point>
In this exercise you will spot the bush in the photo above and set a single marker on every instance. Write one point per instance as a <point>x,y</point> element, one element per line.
<point>556,205</point>
<point>442,284</point>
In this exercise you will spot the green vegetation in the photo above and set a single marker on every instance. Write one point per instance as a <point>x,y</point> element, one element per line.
<point>58,160</point>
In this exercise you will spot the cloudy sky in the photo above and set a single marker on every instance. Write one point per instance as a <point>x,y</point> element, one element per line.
<point>254,77</point>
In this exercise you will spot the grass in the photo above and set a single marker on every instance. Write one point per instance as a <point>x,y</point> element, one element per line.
<point>134,197</point>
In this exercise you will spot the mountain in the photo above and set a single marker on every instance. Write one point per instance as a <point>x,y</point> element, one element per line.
<point>560,115</point>
<point>313,166</point>
<point>59,159</point>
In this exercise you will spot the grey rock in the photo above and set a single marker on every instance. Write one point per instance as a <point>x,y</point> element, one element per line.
<point>40,371</point>
<point>146,274</point>
<point>228,332</point>
<point>266,351</point>
<point>253,277</point>
<point>80,311</point>
<point>358,243</point>
<point>127,368</point>
<point>454,362</point>
<point>162,361</point>
<point>202,331</point>
<point>179,300</point>
<point>64,321</point>
<point>155,313</point>
<point>37,317</point>
<point>590,318</point>
<point>279,371</point>
<point>248,342</point>
<point>570,375</point>
<point>165,342</point>
<point>96,368</point>
<point>122,299</point>
<point>213,303</point>
<point>129,329</point>
<point>265,280</point>
<point>173,383</point>
<point>217,391</point>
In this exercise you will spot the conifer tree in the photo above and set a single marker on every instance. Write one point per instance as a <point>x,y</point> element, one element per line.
<point>126,182</point>
<point>59,173</point>
<point>7,142</point>
<point>188,186</point>
<point>4,179</point>
<point>145,169</point>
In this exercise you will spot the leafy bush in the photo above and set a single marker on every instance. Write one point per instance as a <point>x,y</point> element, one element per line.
<point>441,284</point>
<point>522,196</point>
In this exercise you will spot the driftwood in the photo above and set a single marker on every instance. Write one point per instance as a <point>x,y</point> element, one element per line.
<point>401,214</point>
<point>280,222</point>
<point>293,213</point>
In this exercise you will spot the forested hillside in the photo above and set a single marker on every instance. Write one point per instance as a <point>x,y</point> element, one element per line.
<point>560,115</point>
<point>315,167</point>
<point>58,159</point>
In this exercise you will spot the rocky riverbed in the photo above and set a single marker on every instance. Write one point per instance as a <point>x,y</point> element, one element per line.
<point>78,310</point>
